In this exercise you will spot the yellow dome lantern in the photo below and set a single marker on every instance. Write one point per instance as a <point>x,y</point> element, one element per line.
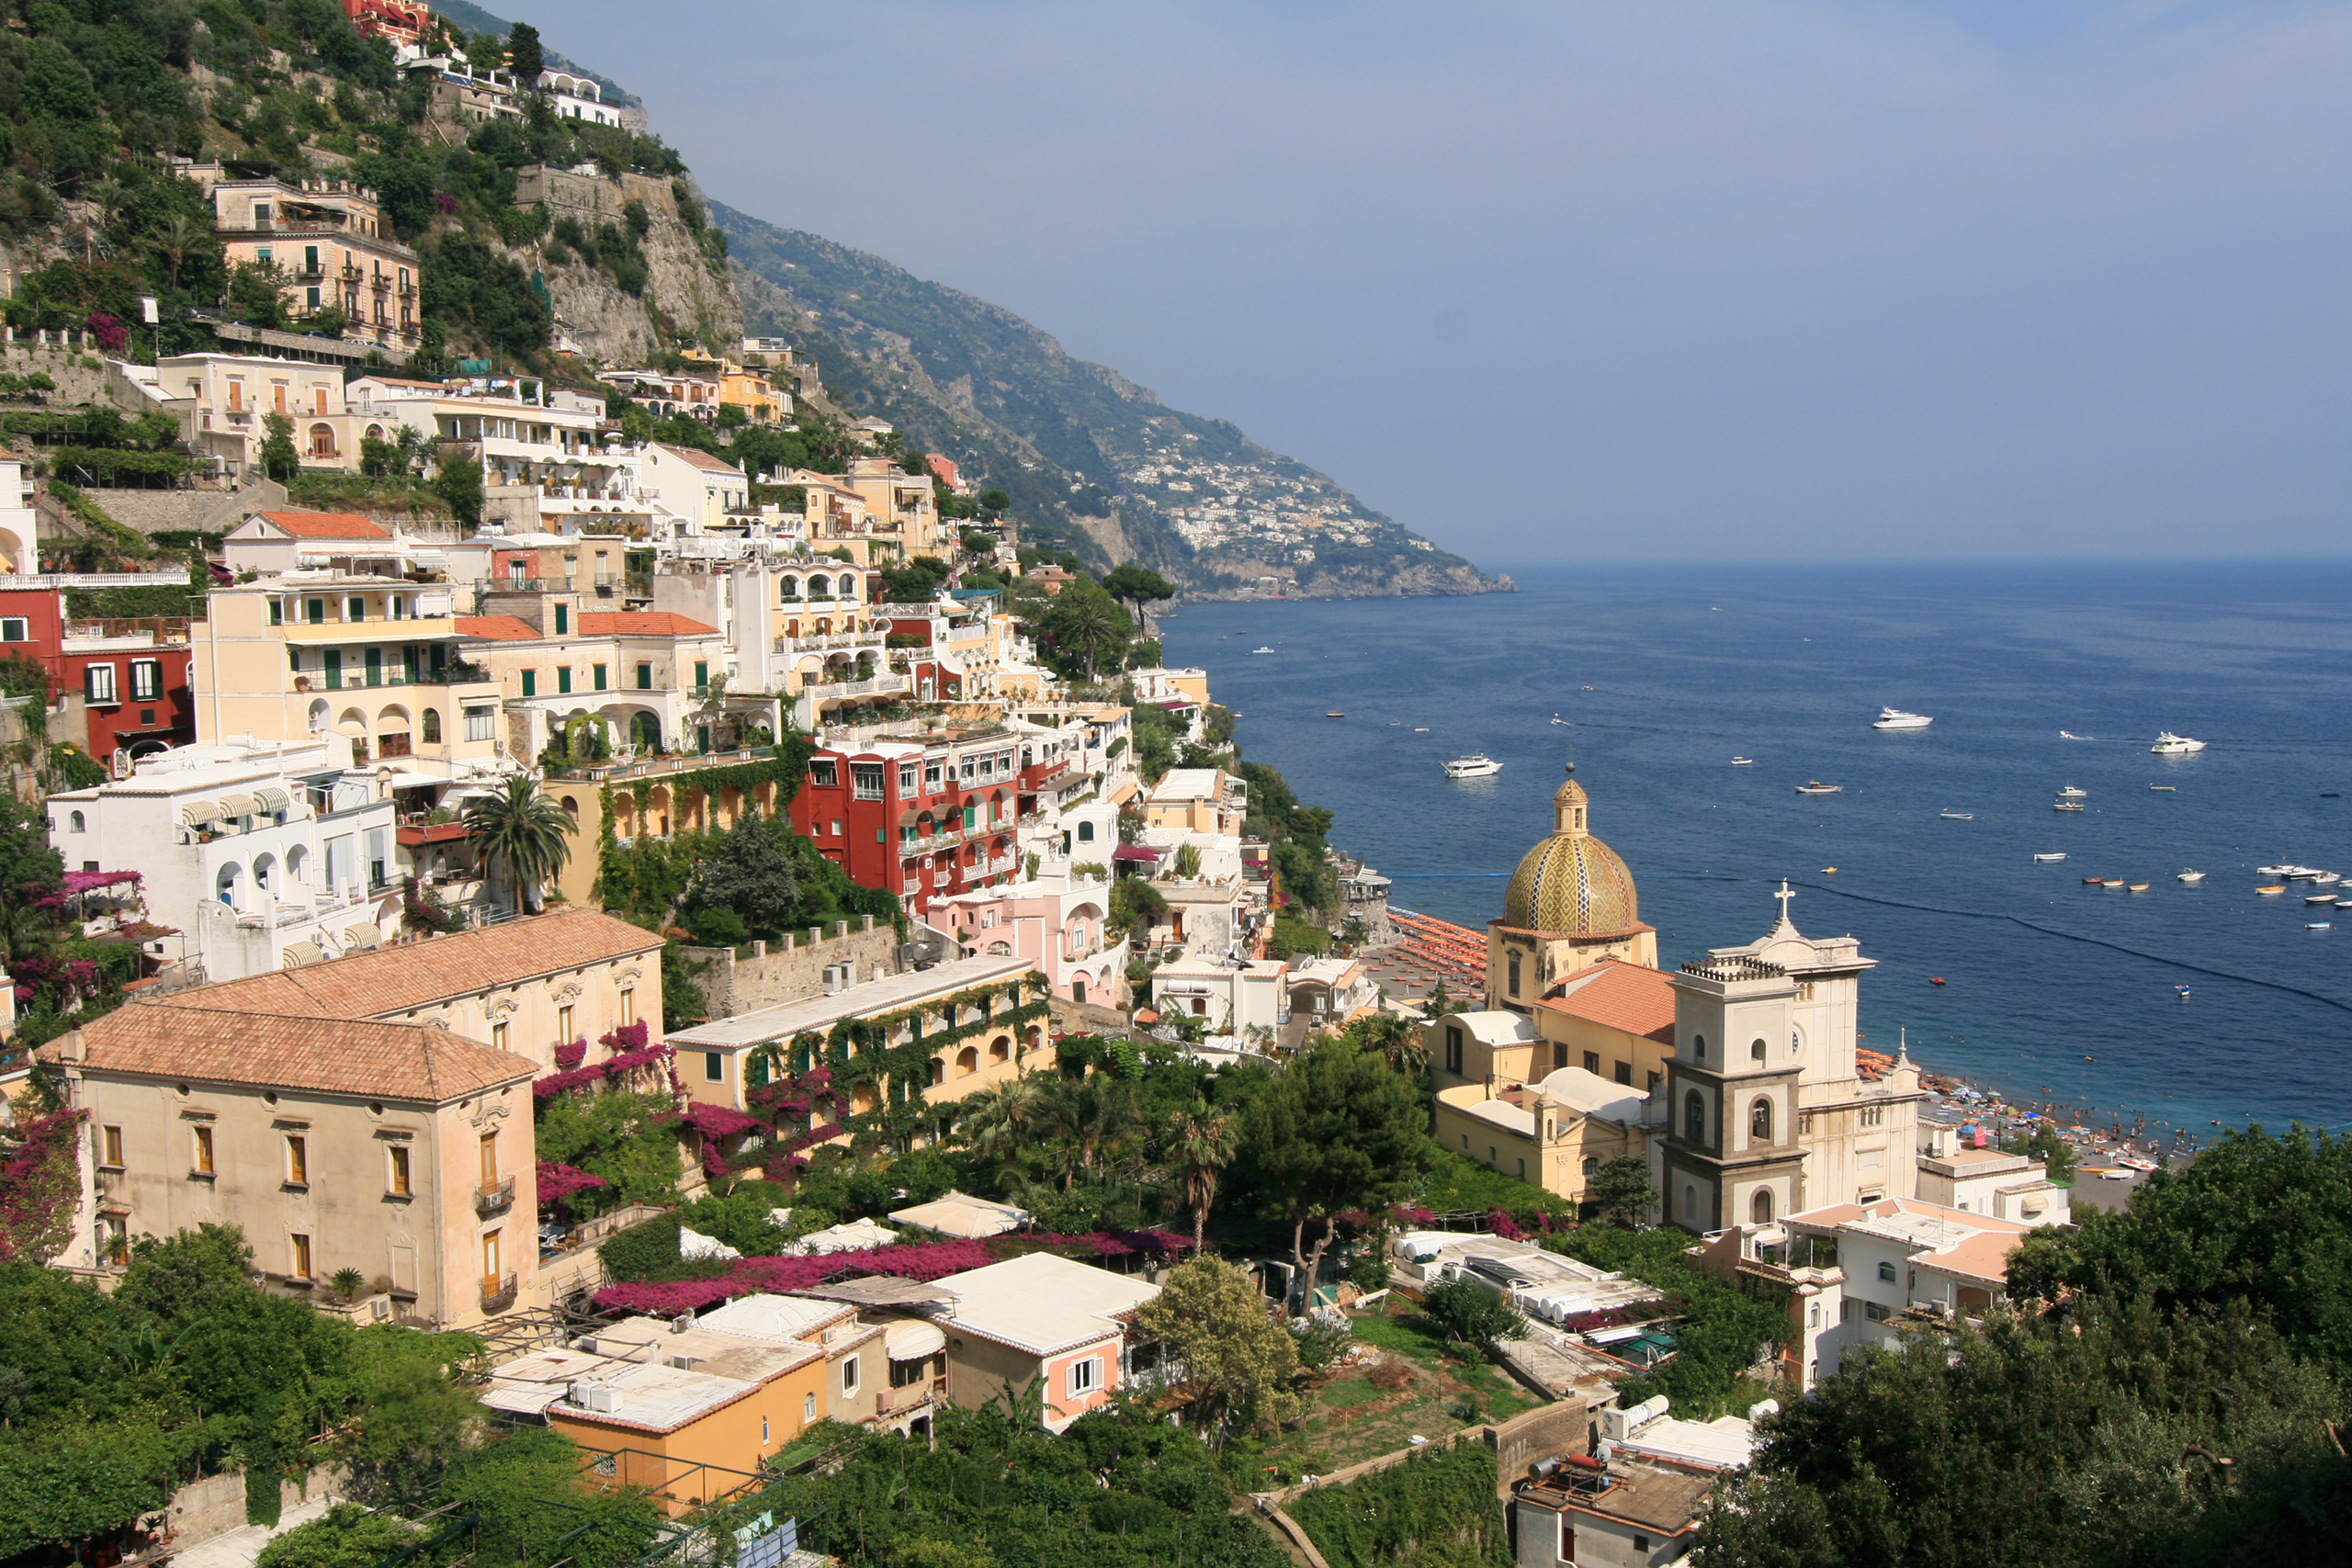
<point>1572,884</point>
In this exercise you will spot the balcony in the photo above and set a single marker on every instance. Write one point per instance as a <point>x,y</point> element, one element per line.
<point>880,686</point>
<point>498,1292</point>
<point>417,834</point>
<point>492,1197</point>
<point>898,1401</point>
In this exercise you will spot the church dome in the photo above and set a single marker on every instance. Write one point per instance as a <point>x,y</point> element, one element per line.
<point>1571,884</point>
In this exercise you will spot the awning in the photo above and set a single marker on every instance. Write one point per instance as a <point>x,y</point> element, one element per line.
<point>238,805</point>
<point>907,1340</point>
<point>1134,852</point>
<point>405,779</point>
<point>269,798</point>
<point>364,936</point>
<point>199,811</point>
<point>302,952</point>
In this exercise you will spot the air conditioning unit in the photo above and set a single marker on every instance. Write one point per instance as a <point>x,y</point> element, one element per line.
<point>498,745</point>
<point>685,1363</point>
<point>681,1323</point>
<point>597,1397</point>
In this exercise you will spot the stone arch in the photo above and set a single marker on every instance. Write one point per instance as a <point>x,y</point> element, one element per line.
<point>645,730</point>
<point>967,1061</point>
<point>999,1049</point>
<point>317,715</point>
<point>1759,1118</point>
<point>322,441</point>
<point>76,823</point>
<point>298,865</point>
<point>1756,1050</point>
<point>1760,1208</point>
<point>1694,1118</point>
<point>229,885</point>
<point>1699,1046</point>
<point>351,722</point>
<point>266,872</point>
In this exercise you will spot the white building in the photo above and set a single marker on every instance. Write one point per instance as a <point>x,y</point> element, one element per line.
<point>1989,1181</point>
<point>543,464</point>
<point>1877,1267</point>
<point>1232,996</point>
<point>577,97</point>
<point>261,857</point>
<point>19,546</point>
<point>692,491</point>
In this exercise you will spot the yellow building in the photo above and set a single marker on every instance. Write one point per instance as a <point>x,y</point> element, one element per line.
<point>223,401</point>
<point>375,665</point>
<point>1570,904</point>
<point>398,1150</point>
<point>329,238</point>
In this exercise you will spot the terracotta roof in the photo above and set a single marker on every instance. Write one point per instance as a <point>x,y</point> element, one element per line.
<point>1620,996</point>
<point>423,974</point>
<point>640,623</point>
<point>154,1038</point>
<point>506,628</point>
<point>701,459</point>
<point>325,524</point>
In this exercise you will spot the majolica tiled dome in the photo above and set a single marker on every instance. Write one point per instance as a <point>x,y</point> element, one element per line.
<point>1571,883</point>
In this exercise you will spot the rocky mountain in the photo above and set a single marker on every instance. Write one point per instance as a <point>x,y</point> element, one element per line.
<point>1088,456</point>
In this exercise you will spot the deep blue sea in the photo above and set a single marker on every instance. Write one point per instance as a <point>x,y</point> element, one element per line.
<point>1663,674</point>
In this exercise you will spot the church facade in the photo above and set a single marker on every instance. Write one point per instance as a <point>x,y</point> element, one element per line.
<point>1734,1077</point>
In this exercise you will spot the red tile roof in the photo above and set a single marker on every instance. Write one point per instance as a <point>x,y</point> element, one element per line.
<point>1620,996</point>
<point>506,628</point>
<point>153,1038</point>
<point>325,524</point>
<point>640,623</point>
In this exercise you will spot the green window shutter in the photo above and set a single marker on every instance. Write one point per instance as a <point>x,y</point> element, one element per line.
<point>645,677</point>
<point>563,619</point>
<point>600,676</point>
<point>530,682</point>
<point>701,674</point>
<point>563,679</point>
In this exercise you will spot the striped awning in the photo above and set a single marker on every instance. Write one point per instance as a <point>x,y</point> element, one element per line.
<point>269,798</point>
<point>303,952</point>
<point>363,937</point>
<point>238,805</point>
<point>199,811</point>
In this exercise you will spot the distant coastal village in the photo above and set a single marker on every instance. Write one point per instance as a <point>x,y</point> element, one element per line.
<point>614,960</point>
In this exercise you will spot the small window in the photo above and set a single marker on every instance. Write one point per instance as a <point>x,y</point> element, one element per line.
<point>432,722</point>
<point>355,608</point>
<point>597,673</point>
<point>628,1007</point>
<point>714,1066</point>
<point>200,1158</point>
<point>1886,1272</point>
<point>563,619</point>
<point>498,1036</point>
<point>1086,1376</point>
<point>822,776</point>
<point>563,679</point>
<point>563,1030</point>
<point>300,1262</point>
<point>1874,1312</point>
<point>1592,1063</point>
<point>397,1179</point>
<point>97,683</point>
<point>146,680</point>
<point>298,1162</point>
<point>530,682</point>
<point>849,1375</point>
<point>807,1409</point>
<point>645,677</point>
<point>1756,1052</point>
<point>76,823</point>
<point>110,1147</point>
<point>15,628</point>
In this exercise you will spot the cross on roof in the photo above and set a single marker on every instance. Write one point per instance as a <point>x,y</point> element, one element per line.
<point>1784,895</point>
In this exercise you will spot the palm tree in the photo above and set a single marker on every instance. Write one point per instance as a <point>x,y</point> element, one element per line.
<point>998,1121</point>
<point>1086,1119</point>
<point>1089,623</point>
<point>1399,1039</point>
<point>173,241</point>
<point>1203,1140</point>
<point>523,833</point>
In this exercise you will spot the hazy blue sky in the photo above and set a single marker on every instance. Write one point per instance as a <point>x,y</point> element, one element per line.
<point>1650,279</point>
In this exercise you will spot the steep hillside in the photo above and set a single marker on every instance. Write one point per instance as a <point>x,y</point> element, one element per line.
<point>1075,443</point>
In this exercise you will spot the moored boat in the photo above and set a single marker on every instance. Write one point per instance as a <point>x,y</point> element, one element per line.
<point>2170,745</point>
<point>1475,765</point>
<point>1815,786</point>
<point>2190,876</point>
<point>1895,718</point>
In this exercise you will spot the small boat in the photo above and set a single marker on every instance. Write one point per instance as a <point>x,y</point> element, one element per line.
<point>2133,1162</point>
<point>2272,870</point>
<point>1743,761</point>
<point>1558,719</point>
<point>1935,980</point>
<point>1256,651</point>
<point>2190,876</point>
<point>1420,729</point>
<point>2093,881</point>
<point>1335,713</point>
<point>2170,745</point>
<point>1829,871</point>
<point>2326,879</point>
<point>2182,991</point>
<point>2048,857</point>
<point>2331,795</point>
<point>2137,887</point>
<point>2068,806</point>
<point>1957,816</point>
<point>2063,736</point>
<point>1475,765</point>
<point>1895,718</point>
<point>2317,925</point>
<point>1394,722</point>
<point>2071,793</point>
<point>2320,898</point>
<point>2162,789</point>
<point>1815,786</point>
<point>2112,882</point>
<point>2267,892</point>
<point>2344,903</point>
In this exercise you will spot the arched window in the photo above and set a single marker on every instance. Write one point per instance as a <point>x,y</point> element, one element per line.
<point>1759,1121</point>
<point>1694,1118</point>
<point>1699,1046</point>
<point>431,727</point>
<point>77,823</point>
<point>849,586</point>
<point>1756,1050</point>
<point>1086,832</point>
<point>1760,1208</point>
<point>322,441</point>
<point>788,589</point>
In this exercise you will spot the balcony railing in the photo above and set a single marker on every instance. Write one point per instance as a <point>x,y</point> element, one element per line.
<point>881,685</point>
<point>897,1401</point>
<point>498,1292</point>
<point>492,1196</point>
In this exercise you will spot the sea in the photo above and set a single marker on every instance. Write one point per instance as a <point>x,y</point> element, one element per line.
<point>2052,992</point>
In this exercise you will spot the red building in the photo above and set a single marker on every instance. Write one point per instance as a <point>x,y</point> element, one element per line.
<point>924,815</point>
<point>403,21</point>
<point>132,673</point>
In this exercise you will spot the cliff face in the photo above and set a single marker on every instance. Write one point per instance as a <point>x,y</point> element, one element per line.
<point>684,292</point>
<point>1090,459</point>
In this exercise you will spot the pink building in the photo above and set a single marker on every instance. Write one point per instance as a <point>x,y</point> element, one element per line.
<point>1056,925</point>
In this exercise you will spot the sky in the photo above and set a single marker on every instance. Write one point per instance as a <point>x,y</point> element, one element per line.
<point>1616,279</point>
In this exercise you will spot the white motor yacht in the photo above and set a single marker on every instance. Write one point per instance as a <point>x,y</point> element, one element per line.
<point>2192,876</point>
<point>2170,745</point>
<point>1256,651</point>
<point>1477,765</point>
<point>1743,761</point>
<point>2071,793</point>
<point>1895,718</point>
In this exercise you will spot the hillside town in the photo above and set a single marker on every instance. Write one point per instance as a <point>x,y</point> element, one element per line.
<point>609,962</point>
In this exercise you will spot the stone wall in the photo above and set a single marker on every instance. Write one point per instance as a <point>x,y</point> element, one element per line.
<point>196,510</point>
<point>794,968</point>
<point>65,365</point>
<point>204,1509</point>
